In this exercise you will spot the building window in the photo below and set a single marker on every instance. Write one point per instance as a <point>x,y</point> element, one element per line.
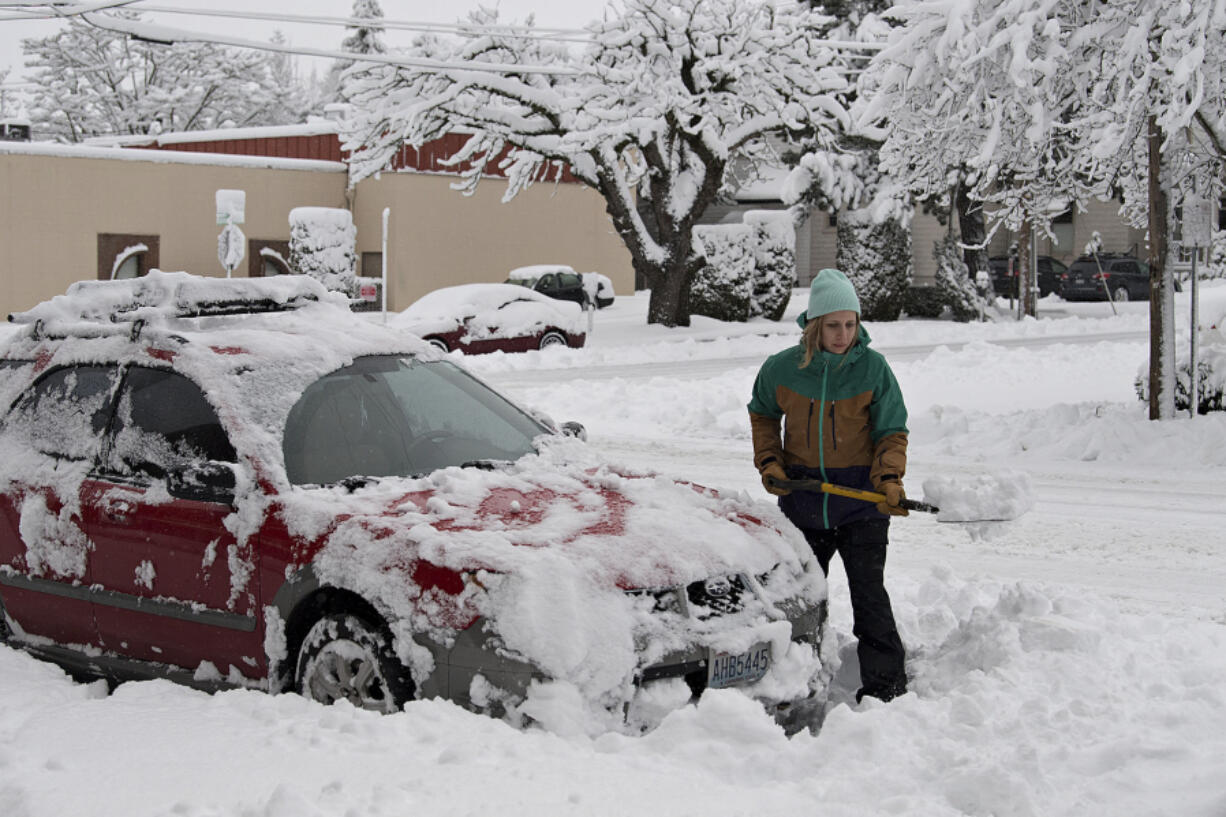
<point>267,257</point>
<point>1062,231</point>
<point>126,255</point>
<point>372,265</point>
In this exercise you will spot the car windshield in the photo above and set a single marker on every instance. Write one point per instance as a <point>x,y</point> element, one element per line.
<point>398,416</point>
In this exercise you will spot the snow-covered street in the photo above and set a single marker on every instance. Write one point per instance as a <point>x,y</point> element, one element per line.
<point>1066,663</point>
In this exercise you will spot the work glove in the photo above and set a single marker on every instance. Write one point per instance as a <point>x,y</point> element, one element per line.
<point>773,470</point>
<point>894,496</point>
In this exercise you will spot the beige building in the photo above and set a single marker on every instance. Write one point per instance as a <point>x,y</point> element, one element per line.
<point>70,212</point>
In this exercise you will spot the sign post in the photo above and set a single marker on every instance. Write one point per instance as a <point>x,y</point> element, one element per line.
<point>1198,231</point>
<point>231,244</point>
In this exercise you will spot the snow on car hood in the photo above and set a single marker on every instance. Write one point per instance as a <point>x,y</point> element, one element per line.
<point>490,311</point>
<point>559,540</point>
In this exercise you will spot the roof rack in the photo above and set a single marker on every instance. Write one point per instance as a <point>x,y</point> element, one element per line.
<point>172,295</point>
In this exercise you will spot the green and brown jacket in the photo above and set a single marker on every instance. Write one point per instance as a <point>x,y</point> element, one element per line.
<point>844,422</point>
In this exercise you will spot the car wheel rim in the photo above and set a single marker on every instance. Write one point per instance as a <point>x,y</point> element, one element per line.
<point>552,339</point>
<point>438,344</point>
<point>344,670</point>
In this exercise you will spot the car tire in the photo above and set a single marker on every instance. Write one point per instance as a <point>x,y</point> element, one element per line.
<point>438,343</point>
<point>343,657</point>
<point>552,338</point>
<point>1119,294</point>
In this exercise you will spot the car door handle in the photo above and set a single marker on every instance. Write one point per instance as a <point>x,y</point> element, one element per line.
<point>117,510</point>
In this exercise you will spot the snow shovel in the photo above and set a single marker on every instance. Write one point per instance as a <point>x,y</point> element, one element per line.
<point>982,498</point>
<point>853,493</point>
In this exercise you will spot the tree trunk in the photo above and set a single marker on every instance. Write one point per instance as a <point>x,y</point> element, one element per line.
<point>972,232</point>
<point>669,304</point>
<point>1025,294</point>
<point>1161,300</point>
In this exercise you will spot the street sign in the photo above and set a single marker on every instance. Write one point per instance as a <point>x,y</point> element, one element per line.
<point>231,206</point>
<point>1197,222</point>
<point>231,247</point>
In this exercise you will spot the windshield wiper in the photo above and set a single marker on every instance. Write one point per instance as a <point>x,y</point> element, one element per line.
<point>484,465</point>
<point>351,484</point>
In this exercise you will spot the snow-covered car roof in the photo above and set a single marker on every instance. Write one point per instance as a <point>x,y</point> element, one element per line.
<point>483,307</point>
<point>533,271</point>
<point>253,365</point>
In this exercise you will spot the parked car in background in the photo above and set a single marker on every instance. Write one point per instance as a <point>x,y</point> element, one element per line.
<point>563,283</point>
<point>239,483</point>
<point>1006,281</point>
<point>481,318</point>
<point>1107,276</point>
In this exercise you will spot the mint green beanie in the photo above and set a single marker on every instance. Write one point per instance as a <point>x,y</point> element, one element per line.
<point>829,292</point>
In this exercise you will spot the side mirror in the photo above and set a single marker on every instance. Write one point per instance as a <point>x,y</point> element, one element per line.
<point>203,481</point>
<point>573,429</point>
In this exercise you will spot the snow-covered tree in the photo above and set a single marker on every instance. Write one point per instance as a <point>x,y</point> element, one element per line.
<point>875,255</point>
<point>953,280</point>
<point>1047,101</point>
<point>291,100</point>
<point>666,95</point>
<point>363,38</point>
<point>843,176</point>
<point>90,81</point>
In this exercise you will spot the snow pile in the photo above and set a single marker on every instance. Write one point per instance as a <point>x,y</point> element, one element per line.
<point>999,496</point>
<point>1025,701</point>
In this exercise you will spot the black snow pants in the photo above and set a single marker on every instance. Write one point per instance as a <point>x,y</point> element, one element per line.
<point>862,546</point>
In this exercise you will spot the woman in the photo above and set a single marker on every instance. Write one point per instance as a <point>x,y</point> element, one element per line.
<point>844,422</point>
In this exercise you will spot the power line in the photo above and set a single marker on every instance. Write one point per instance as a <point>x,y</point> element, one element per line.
<point>509,29</point>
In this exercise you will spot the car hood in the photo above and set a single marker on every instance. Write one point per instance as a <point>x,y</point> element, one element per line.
<point>622,529</point>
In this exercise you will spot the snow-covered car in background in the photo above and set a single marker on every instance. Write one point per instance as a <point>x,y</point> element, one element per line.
<point>481,318</point>
<point>238,483</point>
<point>562,283</point>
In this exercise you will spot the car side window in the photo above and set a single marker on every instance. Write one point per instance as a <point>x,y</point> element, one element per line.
<point>65,412</point>
<point>569,280</point>
<point>547,283</point>
<point>1125,266</point>
<point>162,422</point>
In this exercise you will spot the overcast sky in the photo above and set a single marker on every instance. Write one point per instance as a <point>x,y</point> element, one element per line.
<point>549,13</point>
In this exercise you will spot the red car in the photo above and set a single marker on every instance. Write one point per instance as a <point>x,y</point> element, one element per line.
<point>481,318</point>
<point>240,483</point>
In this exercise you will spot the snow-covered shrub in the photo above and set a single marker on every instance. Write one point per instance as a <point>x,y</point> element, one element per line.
<point>322,244</point>
<point>923,301</point>
<point>1211,381</point>
<point>953,278</point>
<point>774,273</point>
<point>876,257</point>
<point>1210,364</point>
<point>723,289</point>
<point>1216,268</point>
<point>750,270</point>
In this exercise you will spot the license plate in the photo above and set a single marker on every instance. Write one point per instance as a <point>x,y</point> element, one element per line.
<point>729,669</point>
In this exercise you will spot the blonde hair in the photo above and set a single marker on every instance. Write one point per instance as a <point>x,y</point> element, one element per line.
<point>811,339</point>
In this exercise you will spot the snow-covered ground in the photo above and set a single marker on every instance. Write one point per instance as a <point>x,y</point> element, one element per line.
<point>1068,663</point>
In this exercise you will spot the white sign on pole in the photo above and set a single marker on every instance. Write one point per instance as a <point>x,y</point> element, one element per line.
<point>231,206</point>
<point>1197,222</point>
